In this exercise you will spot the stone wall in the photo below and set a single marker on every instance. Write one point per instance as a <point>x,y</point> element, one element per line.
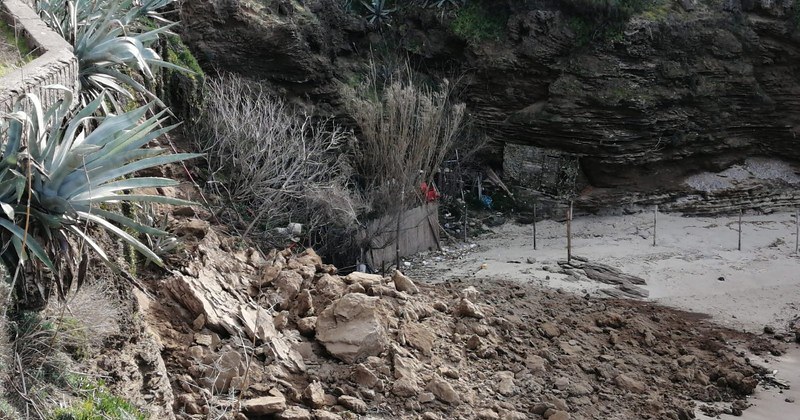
<point>55,64</point>
<point>549,170</point>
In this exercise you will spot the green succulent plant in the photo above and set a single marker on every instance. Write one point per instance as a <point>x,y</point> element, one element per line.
<point>111,39</point>
<point>61,173</point>
<point>377,12</point>
<point>442,3</point>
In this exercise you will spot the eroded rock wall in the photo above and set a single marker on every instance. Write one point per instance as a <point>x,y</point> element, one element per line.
<point>673,90</point>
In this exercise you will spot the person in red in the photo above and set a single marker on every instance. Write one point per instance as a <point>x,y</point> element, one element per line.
<point>429,192</point>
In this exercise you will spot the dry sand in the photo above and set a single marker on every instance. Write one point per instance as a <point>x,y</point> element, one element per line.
<point>761,283</point>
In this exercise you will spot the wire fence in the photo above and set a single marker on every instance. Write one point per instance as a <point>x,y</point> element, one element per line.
<point>738,223</point>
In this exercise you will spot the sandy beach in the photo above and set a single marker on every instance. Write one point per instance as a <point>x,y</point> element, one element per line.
<point>694,266</point>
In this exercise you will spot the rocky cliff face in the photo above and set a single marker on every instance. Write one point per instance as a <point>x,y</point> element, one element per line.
<point>626,109</point>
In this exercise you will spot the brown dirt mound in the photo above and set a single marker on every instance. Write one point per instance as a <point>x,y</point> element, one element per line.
<point>247,337</point>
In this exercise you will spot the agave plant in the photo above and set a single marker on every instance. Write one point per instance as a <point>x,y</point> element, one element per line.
<point>110,40</point>
<point>442,3</point>
<point>58,176</point>
<point>377,12</point>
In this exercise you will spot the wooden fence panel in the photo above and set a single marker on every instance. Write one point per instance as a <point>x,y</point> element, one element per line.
<point>419,231</point>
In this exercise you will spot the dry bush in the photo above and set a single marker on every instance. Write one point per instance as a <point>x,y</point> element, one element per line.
<point>406,130</point>
<point>7,411</point>
<point>88,316</point>
<point>39,370</point>
<point>47,346</point>
<point>274,165</point>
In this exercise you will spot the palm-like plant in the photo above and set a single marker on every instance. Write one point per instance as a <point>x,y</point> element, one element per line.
<point>442,3</point>
<point>58,176</point>
<point>377,12</point>
<point>110,39</point>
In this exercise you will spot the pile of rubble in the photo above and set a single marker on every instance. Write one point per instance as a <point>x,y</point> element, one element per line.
<point>246,336</point>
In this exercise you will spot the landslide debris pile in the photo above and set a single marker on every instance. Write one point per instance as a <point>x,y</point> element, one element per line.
<point>249,337</point>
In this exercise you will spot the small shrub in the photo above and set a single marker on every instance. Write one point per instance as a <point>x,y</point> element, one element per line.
<point>7,411</point>
<point>609,12</point>
<point>796,13</point>
<point>476,23</point>
<point>584,30</point>
<point>95,403</point>
<point>179,54</point>
<point>86,318</point>
<point>40,368</point>
<point>45,346</point>
<point>15,53</point>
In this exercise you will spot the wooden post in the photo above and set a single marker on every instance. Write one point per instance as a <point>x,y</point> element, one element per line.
<point>797,231</point>
<point>534,225</point>
<point>569,233</point>
<point>463,196</point>
<point>466,225</point>
<point>480,187</point>
<point>397,230</point>
<point>655,223</point>
<point>741,212</point>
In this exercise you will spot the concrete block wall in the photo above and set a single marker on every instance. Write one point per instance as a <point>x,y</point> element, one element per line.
<point>55,64</point>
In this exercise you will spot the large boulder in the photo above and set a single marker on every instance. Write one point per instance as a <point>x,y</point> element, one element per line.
<point>353,327</point>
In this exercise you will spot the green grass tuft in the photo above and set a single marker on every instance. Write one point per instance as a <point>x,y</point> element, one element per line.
<point>796,14</point>
<point>178,53</point>
<point>477,23</point>
<point>20,53</point>
<point>98,403</point>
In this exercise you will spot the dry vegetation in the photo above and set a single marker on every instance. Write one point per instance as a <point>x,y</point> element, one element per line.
<point>41,363</point>
<point>12,50</point>
<point>274,164</point>
<point>405,136</point>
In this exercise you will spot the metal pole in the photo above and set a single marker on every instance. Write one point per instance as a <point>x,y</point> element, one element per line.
<point>534,225</point>
<point>569,233</point>
<point>655,223</point>
<point>740,228</point>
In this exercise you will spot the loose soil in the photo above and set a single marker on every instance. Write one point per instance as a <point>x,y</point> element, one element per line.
<point>494,331</point>
<point>515,350</point>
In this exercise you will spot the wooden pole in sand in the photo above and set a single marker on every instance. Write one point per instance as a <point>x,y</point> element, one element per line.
<point>463,196</point>
<point>740,228</point>
<point>534,225</point>
<point>466,224</point>
<point>655,223</point>
<point>569,233</point>
<point>797,231</point>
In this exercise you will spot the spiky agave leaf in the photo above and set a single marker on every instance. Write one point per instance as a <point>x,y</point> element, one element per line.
<point>73,165</point>
<point>378,12</point>
<point>110,39</point>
